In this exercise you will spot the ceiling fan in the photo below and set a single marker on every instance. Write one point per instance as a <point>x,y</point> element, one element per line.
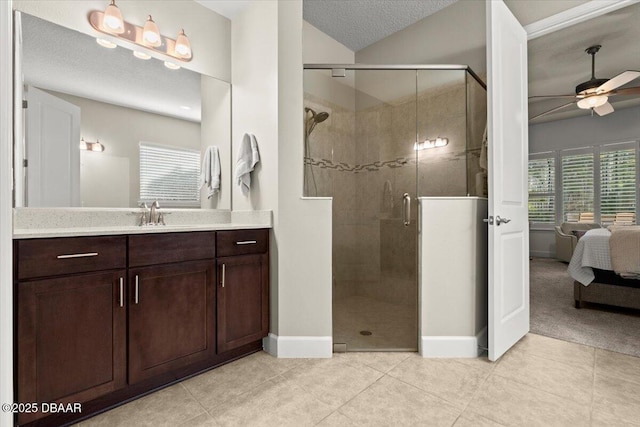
<point>594,93</point>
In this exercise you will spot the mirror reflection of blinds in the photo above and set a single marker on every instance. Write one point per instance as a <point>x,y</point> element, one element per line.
<point>542,174</point>
<point>618,181</point>
<point>169,173</point>
<point>577,184</point>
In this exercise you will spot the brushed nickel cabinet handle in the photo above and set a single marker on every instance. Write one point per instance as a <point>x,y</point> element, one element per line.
<point>84,255</point>
<point>247,242</point>
<point>136,291</point>
<point>223,274</point>
<point>121,292</point>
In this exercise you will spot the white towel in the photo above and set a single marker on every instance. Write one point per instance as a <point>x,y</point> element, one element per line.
<point>210,171</point>
<point>483,151</point>
<point>248,156</point>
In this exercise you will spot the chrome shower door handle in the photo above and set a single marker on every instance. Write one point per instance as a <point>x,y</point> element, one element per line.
<point>406,209</point>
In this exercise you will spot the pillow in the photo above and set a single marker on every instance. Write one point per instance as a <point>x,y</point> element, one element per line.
<point>579,233</point>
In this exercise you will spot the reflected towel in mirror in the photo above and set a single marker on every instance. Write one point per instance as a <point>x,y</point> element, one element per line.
<point>248,157</point>
<point>210,171</point>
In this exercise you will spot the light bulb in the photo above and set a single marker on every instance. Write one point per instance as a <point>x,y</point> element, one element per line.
<point>141,55</point>
<point>106,43</point>
<point>112,20</point>
<point>171,65</point>
<point>593,101</point>
<point>151,34</point>
<point>83,144</point>
<point>183,46</point>
<point>96,146</point>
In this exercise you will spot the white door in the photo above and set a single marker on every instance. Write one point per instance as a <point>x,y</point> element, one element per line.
<point>52,146</point>
<point>507,174</point>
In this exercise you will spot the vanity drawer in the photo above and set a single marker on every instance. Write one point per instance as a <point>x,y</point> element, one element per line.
<point>68,255</point>
<point>241,242</point>
<point>152,249</point>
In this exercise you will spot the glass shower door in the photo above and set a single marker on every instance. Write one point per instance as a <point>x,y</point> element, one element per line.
<point>362,154</point>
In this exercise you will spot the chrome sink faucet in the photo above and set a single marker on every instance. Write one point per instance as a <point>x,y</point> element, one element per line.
<point>151,216</point>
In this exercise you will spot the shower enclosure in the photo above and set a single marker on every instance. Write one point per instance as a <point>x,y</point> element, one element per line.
<point>377,138</point>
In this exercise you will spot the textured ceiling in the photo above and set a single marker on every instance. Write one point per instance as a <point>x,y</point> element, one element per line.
<point>359,23</point>
<point>558,62</point>
<point>63,60</point>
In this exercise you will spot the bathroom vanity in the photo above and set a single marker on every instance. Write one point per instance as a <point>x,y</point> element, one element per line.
<point>104,319</point>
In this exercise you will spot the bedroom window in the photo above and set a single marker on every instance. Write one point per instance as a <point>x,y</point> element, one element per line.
<point>577,186</point>
<point>170,175</point>
<point>542,176</point>
<point>617,183</point>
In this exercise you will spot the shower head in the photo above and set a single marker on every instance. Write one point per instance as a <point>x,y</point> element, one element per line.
<point>316,117</point>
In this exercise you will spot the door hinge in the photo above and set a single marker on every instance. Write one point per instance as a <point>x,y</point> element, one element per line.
<point>25,104</point>
<point>25,163</point>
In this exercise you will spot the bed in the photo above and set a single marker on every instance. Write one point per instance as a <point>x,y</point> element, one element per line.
<point>606,274</point>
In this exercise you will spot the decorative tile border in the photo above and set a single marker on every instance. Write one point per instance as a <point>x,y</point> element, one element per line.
<point>368,167</point>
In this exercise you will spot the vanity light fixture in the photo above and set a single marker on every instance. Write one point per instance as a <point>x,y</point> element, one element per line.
<point>91,146</point>
<point>112,19</point>
<point>431,143</point>
<point>134,37</point>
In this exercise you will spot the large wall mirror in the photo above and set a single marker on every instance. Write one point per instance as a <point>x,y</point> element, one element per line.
<point>154,124</point>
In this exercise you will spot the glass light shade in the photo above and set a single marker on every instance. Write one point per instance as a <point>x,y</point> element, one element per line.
<point>141,55</point>
<point>151,34</point>
<point>183,46</point>
<point>106,43</point>
<point>96,146</point>
<point>112,20</point>
<point>441,142</point>
<point>83,144</point>
<point>171,65</point>
<point>592,101</point>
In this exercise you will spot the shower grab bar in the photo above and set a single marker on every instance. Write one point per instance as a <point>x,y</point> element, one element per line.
<point>406,209</point>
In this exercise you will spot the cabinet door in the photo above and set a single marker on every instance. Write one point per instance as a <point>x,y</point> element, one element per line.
<point>243,300</point>
<point>171,317</point>
<point>71,338</point>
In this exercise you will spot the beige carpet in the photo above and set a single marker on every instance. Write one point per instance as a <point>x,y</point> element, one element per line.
<point>553,313</point>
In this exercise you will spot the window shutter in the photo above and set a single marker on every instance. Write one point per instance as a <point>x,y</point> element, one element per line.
<point>617,181</point>
<point>169,174</point>
<point>577,184</point>
<point>541,190</point>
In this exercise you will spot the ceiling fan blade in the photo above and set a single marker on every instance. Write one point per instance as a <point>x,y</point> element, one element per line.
<point>552,110</point>
<point>619,80</point>
<point>604,109</point>
<point>627,91</point>
<point>551,96</point>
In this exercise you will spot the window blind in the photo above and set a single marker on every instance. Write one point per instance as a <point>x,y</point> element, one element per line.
<point>617,181</point>
<point>577,184</point>
<point>169,174</point>
<point>541,190</point>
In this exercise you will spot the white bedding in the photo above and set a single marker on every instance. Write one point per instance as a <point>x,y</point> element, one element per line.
<point>592,251</point>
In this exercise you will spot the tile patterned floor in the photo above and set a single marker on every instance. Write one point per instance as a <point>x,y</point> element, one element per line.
<point>540,382</point>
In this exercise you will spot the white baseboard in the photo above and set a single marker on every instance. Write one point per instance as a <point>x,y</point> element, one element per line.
<point>453,346</point>
<point>542,254</point>
<point>298,347</point>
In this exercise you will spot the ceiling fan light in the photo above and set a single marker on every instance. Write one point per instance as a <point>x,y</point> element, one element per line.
<point>112,20</point>
<point>593,101</point>
<point>183,46</point>
<point>151,34</point>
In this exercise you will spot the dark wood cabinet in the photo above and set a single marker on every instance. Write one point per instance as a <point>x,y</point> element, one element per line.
<point>71,343</point>
<point>172,320</point>
<point>103,320</point>
<point>243,288</point>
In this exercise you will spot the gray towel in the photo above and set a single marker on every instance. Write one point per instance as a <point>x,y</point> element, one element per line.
<point>210,171</point>
<point>248,156</point>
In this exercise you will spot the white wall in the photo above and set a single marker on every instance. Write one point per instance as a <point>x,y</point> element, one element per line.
<point>6,262</point>
<point>453,276</point>
<point>209,32</point>
<point>120,130</point>
<point>621,126</point>
<point>320,48</point>
<point>453,35</point>
<point>267,101</point>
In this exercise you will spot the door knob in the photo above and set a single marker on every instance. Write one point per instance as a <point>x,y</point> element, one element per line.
<point>501,220</point>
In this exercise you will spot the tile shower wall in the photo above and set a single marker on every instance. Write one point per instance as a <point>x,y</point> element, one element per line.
<point>364,159</point>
